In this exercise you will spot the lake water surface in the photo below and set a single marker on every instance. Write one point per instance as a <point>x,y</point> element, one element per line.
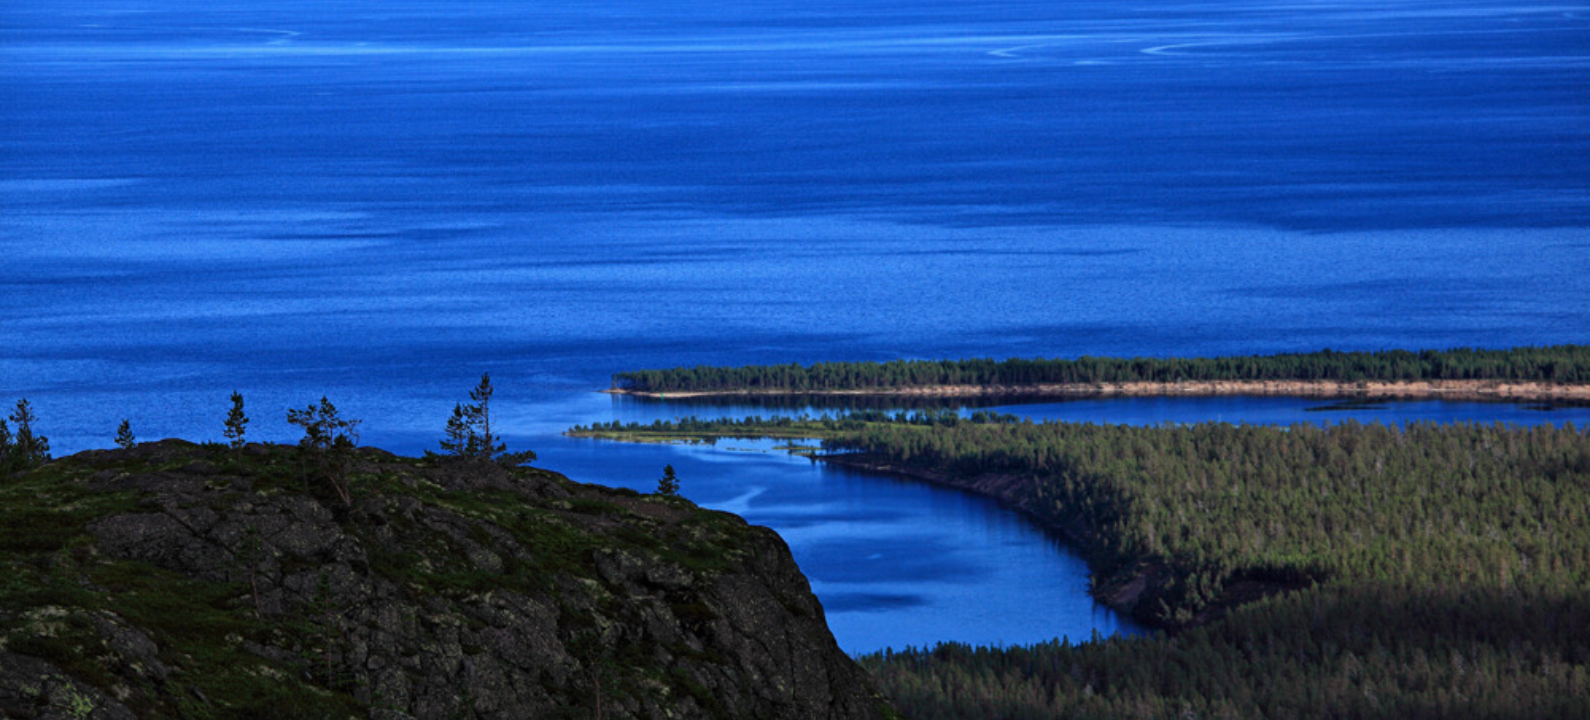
<point>378,201</point>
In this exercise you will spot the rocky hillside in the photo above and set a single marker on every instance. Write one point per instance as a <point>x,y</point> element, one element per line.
<point>174,580</point>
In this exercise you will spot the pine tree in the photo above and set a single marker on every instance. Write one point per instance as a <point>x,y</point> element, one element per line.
<point>25,448</point>
<point>5,447</point>
<point>468,435</point>
<point>124,435</point>
<point>489,445</point>
<point>332,439</point>
<point>668,484</point>
<point>459,438</point>
<point>236,421</point>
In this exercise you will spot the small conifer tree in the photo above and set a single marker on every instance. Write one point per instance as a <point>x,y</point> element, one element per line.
<point>468,434</point>
<point>5,447</point>
<point>489,444</point>
<point>668,484</point>
<point>124,435</point>
<point>236,421</point>
<point>460,439</point>
<point>331,439</point>
<point>22,449</point>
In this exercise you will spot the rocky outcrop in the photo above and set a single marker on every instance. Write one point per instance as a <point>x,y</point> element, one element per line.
<point>189,581</point>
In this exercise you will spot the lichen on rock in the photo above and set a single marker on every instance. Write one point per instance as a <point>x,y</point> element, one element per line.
<point>201,581</point>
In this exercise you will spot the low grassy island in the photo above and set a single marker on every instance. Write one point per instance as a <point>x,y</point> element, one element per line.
<point>175,580</point>
<point>1349,571</point>
<point>1545,373</point>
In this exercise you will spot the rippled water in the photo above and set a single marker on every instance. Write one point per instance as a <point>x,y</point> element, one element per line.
<point>378,201</point>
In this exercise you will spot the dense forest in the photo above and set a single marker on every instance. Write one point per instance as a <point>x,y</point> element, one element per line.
<point>780,426</point>
<point>1356,570</point>
<point>1557,364</point>
<point>1217,504</point>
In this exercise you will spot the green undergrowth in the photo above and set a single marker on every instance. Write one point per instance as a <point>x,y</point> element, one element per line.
<point>62,601</point>
<point>61,614</point>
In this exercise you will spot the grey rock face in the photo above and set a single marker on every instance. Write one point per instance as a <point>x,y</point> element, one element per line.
<point>454,591</point>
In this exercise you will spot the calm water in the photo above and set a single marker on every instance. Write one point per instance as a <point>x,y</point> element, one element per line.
<point>379,201</point>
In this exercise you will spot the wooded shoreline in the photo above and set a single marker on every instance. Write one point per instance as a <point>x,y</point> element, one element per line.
<point>1418,389</point>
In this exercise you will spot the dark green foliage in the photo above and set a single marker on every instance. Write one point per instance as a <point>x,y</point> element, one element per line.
<point>1447,563</point>
<point>324,428</point>
<point>1557,364</point>
<point>668,484</point>
<point>468,434</point>
<point>23,448</point>
<point>236,421</point>
<point>330,439</point>
<point>124,435</point>
<point>800,426</point>
<point>1382,651</point>
<point>56,587</point>
<point>459,438</point>
<point>1350,571</point>
<point>54,592</point>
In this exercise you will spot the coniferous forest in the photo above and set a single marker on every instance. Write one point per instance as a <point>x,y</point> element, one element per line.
<point>1349,571</point>
<point>1557,364</point>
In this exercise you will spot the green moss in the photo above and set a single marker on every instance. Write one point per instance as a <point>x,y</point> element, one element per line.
<point>202,629</point>
<point>47,509</point>
<point>589,506</point>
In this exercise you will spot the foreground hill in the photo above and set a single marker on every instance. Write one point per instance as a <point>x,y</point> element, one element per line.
<point>173,580</point>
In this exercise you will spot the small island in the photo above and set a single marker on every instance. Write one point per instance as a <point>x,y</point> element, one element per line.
<point>1559,372</point>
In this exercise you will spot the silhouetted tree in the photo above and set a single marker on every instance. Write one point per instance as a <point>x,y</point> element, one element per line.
<point>124,435</point>
<point>668,484</point>
<point>22,449</point>
<point>236,421</point>
<point>331,438</point>
<point>468,435</point>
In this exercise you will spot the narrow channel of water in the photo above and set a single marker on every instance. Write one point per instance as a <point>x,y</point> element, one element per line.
<point>899,563</point>
<point>894,562</point>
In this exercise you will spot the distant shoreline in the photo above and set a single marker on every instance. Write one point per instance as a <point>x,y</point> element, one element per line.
<point>1415,389</point>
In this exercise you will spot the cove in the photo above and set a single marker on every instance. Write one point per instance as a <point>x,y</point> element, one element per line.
<point>894,562</point>
<point>901,562</point>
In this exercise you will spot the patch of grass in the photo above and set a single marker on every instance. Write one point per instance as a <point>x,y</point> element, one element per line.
<point>555,544</point>
<point>197,625</point>
<point>590,506</point>
<point>65,638</point>
<point>638,537</point>
<point>45,510</point>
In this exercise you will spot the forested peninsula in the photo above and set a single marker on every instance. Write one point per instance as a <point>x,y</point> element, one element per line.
<point>1557,372</point>
<point>1355,570</point>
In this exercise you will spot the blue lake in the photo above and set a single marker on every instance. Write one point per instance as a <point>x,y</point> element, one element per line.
<point>378,201</point>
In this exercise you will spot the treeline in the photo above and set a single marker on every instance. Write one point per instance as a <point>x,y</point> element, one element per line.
<point>1556,364</point>
<point>1217,505</point>
<point>1305,572</point>
<point>1436,571</point>
<point>804,424</point>
<point>1385,651</point>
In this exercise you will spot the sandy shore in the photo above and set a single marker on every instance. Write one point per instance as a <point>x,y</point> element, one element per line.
<point>1440,389</point>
